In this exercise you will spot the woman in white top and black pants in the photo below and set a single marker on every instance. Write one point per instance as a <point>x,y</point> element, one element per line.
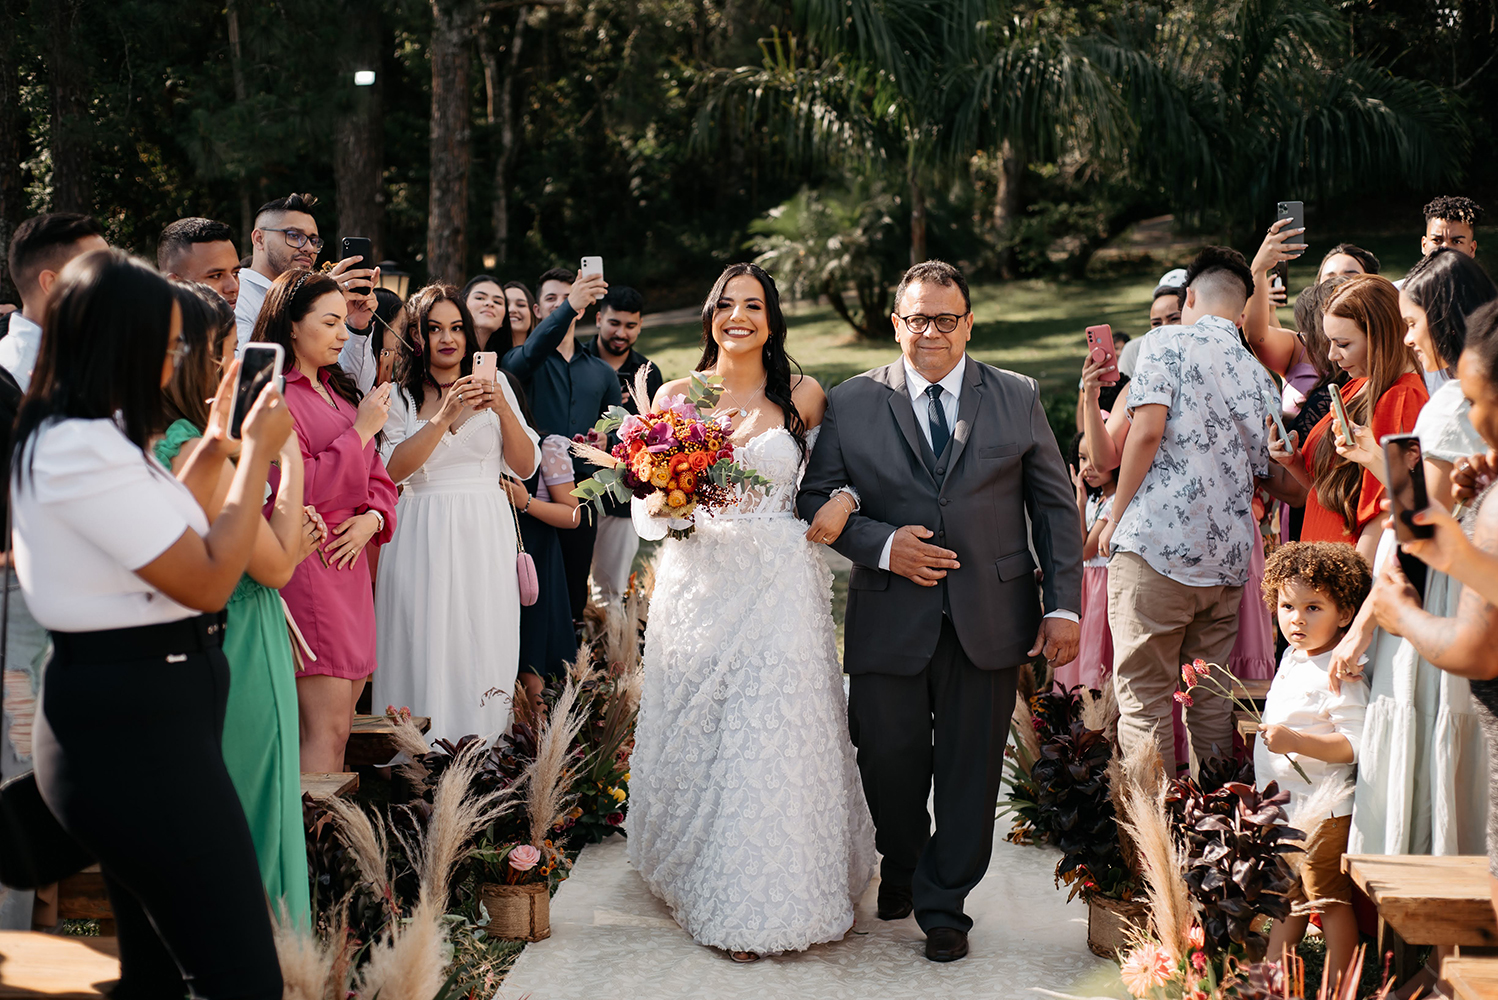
<point>117,559</point>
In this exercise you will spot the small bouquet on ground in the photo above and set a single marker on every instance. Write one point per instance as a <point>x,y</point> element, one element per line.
<point>1199,673</point>
<point>677,459</point>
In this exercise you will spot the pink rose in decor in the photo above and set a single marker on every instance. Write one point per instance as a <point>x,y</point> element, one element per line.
<point>616,819</point>
<point>524,858</point>
<point>632,428</point>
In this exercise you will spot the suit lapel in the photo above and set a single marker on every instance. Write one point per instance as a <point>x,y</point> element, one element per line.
<point>899,405</point>
<point>967,412</point>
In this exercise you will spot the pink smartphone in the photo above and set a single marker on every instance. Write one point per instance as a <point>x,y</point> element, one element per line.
<point>1100,346</point>
<point>486,365</point>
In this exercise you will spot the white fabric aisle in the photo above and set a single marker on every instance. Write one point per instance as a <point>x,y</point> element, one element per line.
<point>612,938</point>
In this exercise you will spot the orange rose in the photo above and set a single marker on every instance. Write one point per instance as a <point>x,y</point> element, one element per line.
<point>699,461</point>
<point>680,462</point>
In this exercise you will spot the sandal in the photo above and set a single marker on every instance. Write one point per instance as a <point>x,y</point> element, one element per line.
<point>743,957</point>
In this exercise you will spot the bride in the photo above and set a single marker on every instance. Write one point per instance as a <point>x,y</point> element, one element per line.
<point>746,812</point>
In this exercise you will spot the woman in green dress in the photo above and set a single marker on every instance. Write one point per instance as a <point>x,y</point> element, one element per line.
<point>260,738</point>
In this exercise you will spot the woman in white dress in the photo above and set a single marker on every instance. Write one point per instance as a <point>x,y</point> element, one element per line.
<point>447,600</point>
<point>746,812</point>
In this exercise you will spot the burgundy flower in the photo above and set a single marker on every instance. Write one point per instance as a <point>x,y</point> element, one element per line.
<point>1184,698</point>
<point>615,819</point>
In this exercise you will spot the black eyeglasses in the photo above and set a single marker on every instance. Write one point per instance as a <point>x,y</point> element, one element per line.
<point>296,238</point>
<point>945,322</point>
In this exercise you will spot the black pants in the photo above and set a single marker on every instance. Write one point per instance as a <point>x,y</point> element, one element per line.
<point>948,723</point>
<point>577,561</point>
<point>128,756</point>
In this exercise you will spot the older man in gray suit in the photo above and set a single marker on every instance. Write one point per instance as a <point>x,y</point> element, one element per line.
<point>949,460</point>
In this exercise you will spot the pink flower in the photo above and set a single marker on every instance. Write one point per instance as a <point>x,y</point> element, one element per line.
<point>1188,675</point>
<point>1199,961</point>
<point>1196,937</point>
<point>660,438</point>
<point>524,858</point>
<point>1145,969</point>
<point>615,819</point>
<point>632,428</point>
<point>1183,698</point>
<point>1202,666</point>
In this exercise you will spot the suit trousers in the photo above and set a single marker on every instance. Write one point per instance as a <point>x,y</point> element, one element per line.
<point>1159,624</point>
<point>946,724</point>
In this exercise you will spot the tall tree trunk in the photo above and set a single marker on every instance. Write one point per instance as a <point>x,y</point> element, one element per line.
<point>72,166</point>
<point>12,143</point>
<point>236,68</point>
<point>499,80</point>
<point>917,217</point>
<point>358,134</point>
<point>451,153</point>
<point>1006,204</point>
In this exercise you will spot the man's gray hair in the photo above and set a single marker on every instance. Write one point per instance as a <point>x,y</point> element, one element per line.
<point>934,272</point>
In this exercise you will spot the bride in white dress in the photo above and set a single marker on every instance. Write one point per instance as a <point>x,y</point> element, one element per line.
<point>746,814</point>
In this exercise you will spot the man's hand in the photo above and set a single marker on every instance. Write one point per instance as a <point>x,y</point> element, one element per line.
<point>1058,639</point>
<point>587,290</point>
<point>916,560</point>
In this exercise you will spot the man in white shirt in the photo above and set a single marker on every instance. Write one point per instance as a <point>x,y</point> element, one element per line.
<point>39,250</point>
<point>1181,532</point>
<point>201,250</point>
<point>285,237</point>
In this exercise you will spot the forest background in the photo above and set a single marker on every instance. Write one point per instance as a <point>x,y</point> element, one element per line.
<point>839,139</point>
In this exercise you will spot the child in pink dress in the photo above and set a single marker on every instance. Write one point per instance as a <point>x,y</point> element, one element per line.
<point>1095,488</point>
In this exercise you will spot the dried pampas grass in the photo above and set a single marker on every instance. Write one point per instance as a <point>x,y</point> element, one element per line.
<point>312,968</point>
<point>1308,816</point>
<point>1026,743</point>
<point>367,841</point>
<point>1147,822</point>
<point>1098,711</point>
<point>410,961</point>
<point>548,778</point>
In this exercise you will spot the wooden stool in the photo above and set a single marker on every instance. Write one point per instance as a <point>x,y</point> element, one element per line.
<point>55,965</point>
<point>1424,900</point>
<point>370,741</point>
<point>1473,978</point>
<point>77,897</point>
<point>329,784</point>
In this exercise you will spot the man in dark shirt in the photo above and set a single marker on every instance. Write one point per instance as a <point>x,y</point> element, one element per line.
<point>619,320</point>
<point>569,389</point>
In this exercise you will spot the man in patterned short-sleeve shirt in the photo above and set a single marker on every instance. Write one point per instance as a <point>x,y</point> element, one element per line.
<point>1182,534</point>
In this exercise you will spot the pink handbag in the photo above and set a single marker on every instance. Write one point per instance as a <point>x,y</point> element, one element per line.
<point>525,566</point>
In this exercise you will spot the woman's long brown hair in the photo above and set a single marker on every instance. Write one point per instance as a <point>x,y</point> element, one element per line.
<point>1372,303</point>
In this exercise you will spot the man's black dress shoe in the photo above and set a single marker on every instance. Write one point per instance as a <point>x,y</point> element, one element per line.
<point>946,944</point>
<point>894,901</point>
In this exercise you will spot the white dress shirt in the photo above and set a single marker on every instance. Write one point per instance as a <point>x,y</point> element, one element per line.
<point>253,287</point>
<point>951,384</point>
<point>358,357</point>
<point>18,349</point>
<point>1300,699</point>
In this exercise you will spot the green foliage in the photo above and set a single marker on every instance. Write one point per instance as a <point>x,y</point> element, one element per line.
<point>822,241</point>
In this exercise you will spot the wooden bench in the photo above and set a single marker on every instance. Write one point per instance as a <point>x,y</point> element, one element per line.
<point>55,965</point>
<point>329,784</point>
<point>1473,978</point>
<point>1425,900</point>
<point>1252,690</point>
<point>81,896</point>
<point>370,739</point>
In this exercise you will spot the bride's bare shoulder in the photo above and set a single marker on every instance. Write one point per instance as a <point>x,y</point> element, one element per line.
<point>810,399</point>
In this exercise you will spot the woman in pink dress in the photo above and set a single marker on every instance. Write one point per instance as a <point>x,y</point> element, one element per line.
<point>330,597</point>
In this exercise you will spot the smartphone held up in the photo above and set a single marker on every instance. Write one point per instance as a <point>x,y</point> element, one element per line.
<point>1405,470</point>
<point>363,248</point>
<point>257,366</point>
<point>1100,348</point>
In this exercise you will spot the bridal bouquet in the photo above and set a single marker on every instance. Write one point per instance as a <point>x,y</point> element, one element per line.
<point>677,458</point>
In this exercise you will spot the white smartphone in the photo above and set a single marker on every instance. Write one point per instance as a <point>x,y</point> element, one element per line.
<point>258,364</point>
<point>1339,414</point>
<point>590,265</point>
<point>1273,405</point>
<point>486,366</point>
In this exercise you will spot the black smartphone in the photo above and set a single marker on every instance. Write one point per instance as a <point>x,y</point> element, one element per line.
<point>1406,476</point>
<point>1295,211</point>
<point>363,248</point>
<point>258,364</point>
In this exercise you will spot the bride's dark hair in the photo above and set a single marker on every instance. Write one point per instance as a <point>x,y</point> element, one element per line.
<point>777,362</point>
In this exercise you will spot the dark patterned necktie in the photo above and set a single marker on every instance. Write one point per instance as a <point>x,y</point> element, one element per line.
<point>938,419</point>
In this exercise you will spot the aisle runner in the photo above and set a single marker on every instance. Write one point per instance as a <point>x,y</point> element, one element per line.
<point>612,938</point>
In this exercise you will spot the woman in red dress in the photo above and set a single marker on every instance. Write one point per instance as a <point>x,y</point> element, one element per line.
<point>330,597</point>
<point>1383,395</point>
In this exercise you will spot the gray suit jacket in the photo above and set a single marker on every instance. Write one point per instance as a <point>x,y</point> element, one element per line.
<point>1002,463</point>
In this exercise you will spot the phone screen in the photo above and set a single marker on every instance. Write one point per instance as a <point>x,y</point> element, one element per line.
<point>1273,405</point>
<point>257,366</point>
<point>1407,496</point>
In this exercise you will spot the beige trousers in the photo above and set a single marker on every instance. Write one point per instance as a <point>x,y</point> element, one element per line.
<point>1159,624</point>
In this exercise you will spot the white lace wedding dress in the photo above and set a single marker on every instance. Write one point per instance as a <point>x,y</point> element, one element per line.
<point>746,815</point>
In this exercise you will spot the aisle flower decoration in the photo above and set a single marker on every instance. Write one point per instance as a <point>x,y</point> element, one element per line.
<point>1201,674</point>
<point>676,458</point>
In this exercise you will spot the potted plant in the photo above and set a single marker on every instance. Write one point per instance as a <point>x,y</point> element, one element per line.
<point>518,901</point>
<point>1073,781</point>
